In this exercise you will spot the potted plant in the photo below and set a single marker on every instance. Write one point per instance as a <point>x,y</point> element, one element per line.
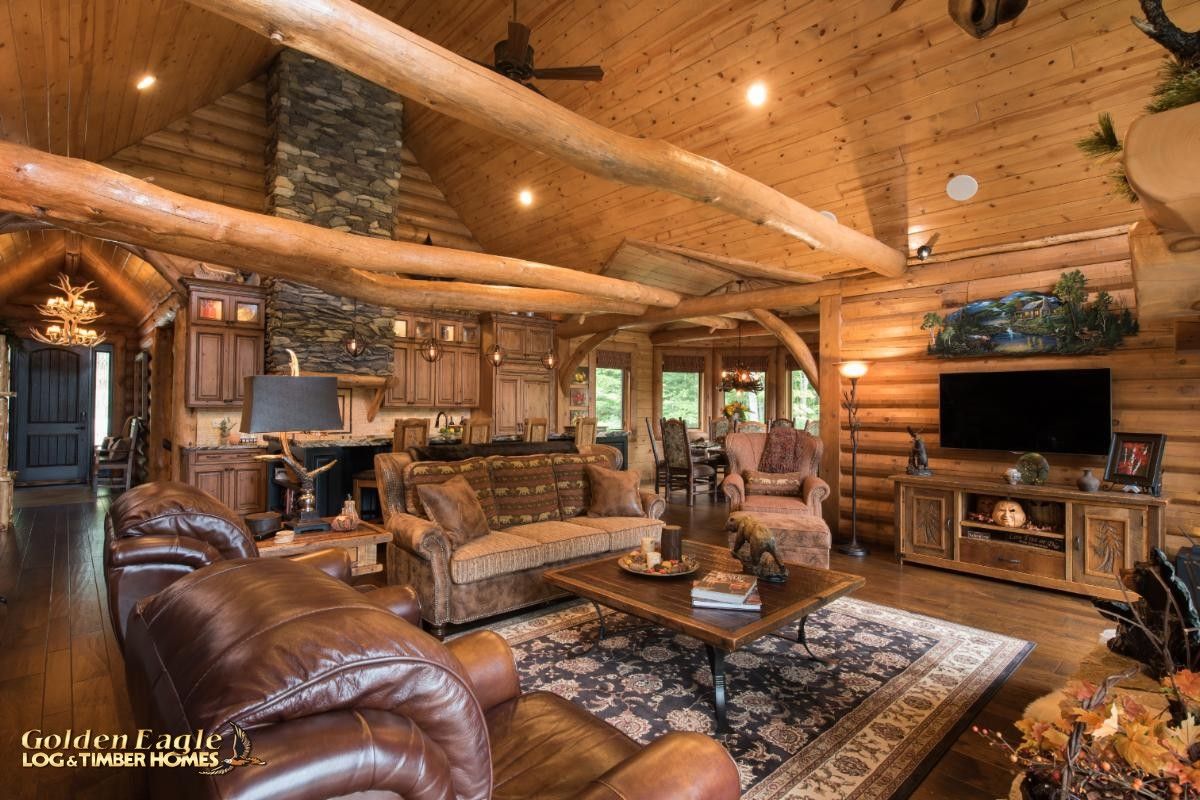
<point>736,410</point>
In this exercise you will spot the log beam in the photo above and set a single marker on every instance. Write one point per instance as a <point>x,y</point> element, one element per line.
<point>791,340</point>
<point>807,324</point>
<point>82,196</point>
<point>567,369</point>
<point>736,266</point>
<point>1161,164</point>
<point>355,39</point>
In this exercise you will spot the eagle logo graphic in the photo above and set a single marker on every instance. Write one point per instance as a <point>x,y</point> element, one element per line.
<point>243,754</point>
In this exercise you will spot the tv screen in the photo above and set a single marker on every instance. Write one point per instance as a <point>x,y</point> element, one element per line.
<point>1047,411</point>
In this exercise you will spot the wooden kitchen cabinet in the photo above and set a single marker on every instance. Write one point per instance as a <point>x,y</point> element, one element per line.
<point>232,475</point>
<point>450,382</point>
<point>521,387</point>
<point>520,394</point>
<point>226,342</point>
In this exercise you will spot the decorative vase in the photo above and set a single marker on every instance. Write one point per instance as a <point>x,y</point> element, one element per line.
<point>1012,475</point>
<point>1088,482</point>
<point>1034,469</point>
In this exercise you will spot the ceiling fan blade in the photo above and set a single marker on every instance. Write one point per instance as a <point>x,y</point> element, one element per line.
<point>591,73</point>
<point>518,41</point>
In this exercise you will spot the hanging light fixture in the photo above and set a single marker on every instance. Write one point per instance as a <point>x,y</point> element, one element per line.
<point>68,316</point>
<point>740,378</point>
<point>549,359</point>
<point>355,345</point>
<point>431,350</point>
<point>495,356</point>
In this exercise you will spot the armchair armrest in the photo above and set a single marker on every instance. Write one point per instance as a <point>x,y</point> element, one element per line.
<point>814,490</point>
<point>489,665</point>
<point>682,766</point>
<point>333,561</point>
<point>653,506</point>
<point>162,549</point>
<point>418,536</point>
<point>400,600</point>
<point>735,490</point>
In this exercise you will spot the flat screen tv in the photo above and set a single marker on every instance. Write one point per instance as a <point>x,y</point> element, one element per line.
<point>1047,411</point>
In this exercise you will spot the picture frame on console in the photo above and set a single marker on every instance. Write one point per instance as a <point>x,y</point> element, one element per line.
<point>1136,459</point>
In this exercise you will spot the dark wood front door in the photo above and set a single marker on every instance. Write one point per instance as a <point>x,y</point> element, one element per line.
<point>51,430</point>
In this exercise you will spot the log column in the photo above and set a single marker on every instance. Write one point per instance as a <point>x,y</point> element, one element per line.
<point>830,389</point>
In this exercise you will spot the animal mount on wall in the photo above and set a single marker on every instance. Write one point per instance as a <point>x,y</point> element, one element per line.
<point>1026,323</point>
<point>980,17</point>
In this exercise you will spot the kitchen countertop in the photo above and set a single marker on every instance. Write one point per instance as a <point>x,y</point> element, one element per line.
<point>194,447</point>
<point>356,441</point>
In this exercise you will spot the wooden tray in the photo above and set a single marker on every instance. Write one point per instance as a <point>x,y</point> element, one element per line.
<point>627,562</point>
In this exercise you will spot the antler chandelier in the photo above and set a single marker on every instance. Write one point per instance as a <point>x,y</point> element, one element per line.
<point>67,317</point>
<point>740,378</point>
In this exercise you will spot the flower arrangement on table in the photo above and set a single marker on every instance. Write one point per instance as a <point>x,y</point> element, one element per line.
<point>736,410</point>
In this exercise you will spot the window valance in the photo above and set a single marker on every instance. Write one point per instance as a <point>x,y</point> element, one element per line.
<point>614,359</point>
<point>679,362</point>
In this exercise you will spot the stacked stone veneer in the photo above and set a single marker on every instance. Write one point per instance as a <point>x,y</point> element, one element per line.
<point>333,161</point>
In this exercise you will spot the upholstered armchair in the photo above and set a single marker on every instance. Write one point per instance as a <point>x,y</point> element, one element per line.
<point>747,489</point>
<point>342,700</point>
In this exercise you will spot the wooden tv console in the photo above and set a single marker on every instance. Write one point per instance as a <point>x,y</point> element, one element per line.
<point>1086,537</point>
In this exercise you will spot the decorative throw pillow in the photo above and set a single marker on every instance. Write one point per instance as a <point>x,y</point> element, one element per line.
<point>454,506</point>
<point>614,493</point>
<point>780,483</point>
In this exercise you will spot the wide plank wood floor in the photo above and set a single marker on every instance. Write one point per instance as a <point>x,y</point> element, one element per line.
<point>60,667</point>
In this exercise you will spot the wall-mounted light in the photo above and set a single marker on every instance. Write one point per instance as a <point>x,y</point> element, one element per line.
<point>145,82</point>
<point>495,356</point>
<point>430,350</point>
<point>756,95</point>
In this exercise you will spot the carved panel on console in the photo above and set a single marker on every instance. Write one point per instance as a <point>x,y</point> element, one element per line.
<point>931,523</point>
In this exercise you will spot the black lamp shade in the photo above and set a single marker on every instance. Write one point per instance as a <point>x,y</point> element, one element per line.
<point>276,403</point>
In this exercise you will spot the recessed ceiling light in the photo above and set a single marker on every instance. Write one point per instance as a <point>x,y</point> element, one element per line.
<point>146,81</point>
<point>962,187</point>
<point>525,197</point>
<point>829,215</point>
<point>756,95</point>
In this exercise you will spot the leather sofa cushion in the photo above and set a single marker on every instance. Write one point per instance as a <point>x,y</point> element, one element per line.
<point>574,488</point>
<point>546,747</point>
<point>523,490</point>
<point>614,493</point>
<point>498,553</point>
<point>475,470</point>
<point>624,533</point>
<point>454,506</point>
<point>562,541</point>
<point>169,508</point>
<point>780,483</point>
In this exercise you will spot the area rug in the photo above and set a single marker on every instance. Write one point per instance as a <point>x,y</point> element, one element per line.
<point>903,688</point>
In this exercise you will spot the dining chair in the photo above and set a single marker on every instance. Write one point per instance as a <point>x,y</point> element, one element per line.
<point>478,430</point>
<point>660,463</point>
<point>752,426</point>
<point>683,472</point>
<point>537,429</point>
<point>406,433</point>
<point>410,432</point>
<point>719,428</point>
<point>585,432</point>
<point>782,422</point>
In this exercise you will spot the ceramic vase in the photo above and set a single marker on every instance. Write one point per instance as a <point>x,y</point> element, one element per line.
<point>1088,482</point>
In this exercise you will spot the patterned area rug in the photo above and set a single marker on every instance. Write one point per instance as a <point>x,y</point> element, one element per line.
<point>869,728</point>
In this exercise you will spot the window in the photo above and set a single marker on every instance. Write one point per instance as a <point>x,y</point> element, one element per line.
<point>682,392</point>
<point>610,398</point>
<point>102,397</point>
<point>806,402</point>
<point>756,402</point>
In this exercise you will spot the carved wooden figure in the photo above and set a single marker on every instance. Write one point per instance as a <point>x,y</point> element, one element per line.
<point>980,17</point>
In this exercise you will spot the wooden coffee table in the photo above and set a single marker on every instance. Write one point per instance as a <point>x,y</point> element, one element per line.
<point>668,602</point>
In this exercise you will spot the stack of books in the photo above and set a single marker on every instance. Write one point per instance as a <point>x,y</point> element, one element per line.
<point>727,591</point>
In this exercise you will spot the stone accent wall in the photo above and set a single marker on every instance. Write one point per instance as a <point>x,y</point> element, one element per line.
<point>333,161</point>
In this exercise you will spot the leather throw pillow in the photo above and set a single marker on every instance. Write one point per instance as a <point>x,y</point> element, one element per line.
<point>614,493</point>
<point>454,506</point>
<point>777,483</point>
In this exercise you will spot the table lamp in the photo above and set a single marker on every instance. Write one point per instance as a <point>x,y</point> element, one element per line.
<point>286,404</point>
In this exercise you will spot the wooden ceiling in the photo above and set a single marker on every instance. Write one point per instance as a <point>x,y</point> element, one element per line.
<point>869,111</point>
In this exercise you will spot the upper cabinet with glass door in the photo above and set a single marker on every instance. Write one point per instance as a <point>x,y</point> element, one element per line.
<point>226,304</point>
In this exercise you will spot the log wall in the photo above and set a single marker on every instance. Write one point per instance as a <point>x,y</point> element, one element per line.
<point>1154,388</point>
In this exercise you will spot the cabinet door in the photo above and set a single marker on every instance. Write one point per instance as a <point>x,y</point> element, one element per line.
<point>398,389</point>
<point>468,378</point>
<point>511,337</point>
<point>207,368</point>
<point>248,487</point>
<point>446,388</point>
<point>535,400</point>
<point>538,341</point>
<point>1107,539</point>
<point>245,359</point>
<point>210,478</point>
<point>508,410</point>
<point>929,523</point>
<point>420,391</point>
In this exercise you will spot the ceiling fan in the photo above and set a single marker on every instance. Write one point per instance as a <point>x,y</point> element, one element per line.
<point>513,59</point>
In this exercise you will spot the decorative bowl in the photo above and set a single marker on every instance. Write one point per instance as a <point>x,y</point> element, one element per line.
<point>635,562</point>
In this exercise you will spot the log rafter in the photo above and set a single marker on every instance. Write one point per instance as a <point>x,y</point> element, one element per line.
<point>567,369</point>
<point>355,39</point>
<point>791,340</point>
<point>670,336</point>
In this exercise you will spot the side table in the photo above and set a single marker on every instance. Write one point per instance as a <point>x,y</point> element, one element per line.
<point>362,542</point>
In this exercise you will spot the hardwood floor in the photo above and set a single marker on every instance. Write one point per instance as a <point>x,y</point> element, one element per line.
<point>60,667</point>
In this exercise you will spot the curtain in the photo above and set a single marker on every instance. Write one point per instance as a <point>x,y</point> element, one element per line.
<point>754,363</point>
<point>614,359</point>
<point>675,362</point>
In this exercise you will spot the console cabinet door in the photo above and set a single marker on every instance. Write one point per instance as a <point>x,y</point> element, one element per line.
<point>446,389</point>
<point>928,522</point>
<point>1107,539</point>
<point>207,368</point>
<point>209,478</point>
<point>535,397</point>
<point>247,487</point>
<point>538,341</point>
<point>468,378</point>
<point>397,393</point>
<point>246,359</point>
<point>421,390</point>
<point>511,338</point>
<point>508,410</point>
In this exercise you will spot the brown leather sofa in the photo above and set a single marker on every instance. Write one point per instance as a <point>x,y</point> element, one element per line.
<point>341,698</point>
<point>156,533</point>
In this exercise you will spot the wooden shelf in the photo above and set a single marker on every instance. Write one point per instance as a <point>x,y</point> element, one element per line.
<point>991,526</point>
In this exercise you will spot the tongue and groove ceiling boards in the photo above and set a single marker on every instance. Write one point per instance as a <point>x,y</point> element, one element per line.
<point>869,113</point>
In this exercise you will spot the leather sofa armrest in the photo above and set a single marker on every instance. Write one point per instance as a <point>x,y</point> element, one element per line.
<point>400,600</point>
<point>183,550</point>
<point>333,561</point>
<point>418,536</point>
<point>682,766</point>
<point>735,490</point>
<point>814,490</point>
<point>653,506</point>
<point>489,665</point>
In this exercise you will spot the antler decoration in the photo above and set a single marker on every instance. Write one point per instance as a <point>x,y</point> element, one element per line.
<point>66,316</point>
<point>1184,45</point>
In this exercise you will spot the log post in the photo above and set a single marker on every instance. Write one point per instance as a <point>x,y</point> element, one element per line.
<point>830,389</point>
<point>792,341</point>
<point>355,39</point>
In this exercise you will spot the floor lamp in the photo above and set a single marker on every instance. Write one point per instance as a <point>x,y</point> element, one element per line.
<point>853,370</point>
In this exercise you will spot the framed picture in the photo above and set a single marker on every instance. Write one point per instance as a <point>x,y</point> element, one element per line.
<point>577,413</point>
<point>580,376</point>
<point>1135,459</point>
<point>346,409</point>
<point>579,397</point>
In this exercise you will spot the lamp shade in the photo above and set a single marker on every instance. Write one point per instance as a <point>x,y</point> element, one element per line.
<point>276,403</point>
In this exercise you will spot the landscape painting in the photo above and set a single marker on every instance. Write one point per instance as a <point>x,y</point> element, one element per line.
<point>1024,323</point>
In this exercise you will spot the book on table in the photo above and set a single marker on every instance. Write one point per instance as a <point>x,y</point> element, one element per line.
<point>724,587</point>
<point>752,603</point>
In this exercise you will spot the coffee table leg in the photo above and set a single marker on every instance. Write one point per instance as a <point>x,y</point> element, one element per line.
<point>599,618</point>
<point>716,662</point>
<point>802,638</point>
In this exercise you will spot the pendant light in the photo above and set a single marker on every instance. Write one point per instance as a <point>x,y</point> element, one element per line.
<point>740,378</point>
<point>495,356</point>
<point>67,317</point>
<point>549,359</point>
<point>355,345</point>
<point>431,350</point>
